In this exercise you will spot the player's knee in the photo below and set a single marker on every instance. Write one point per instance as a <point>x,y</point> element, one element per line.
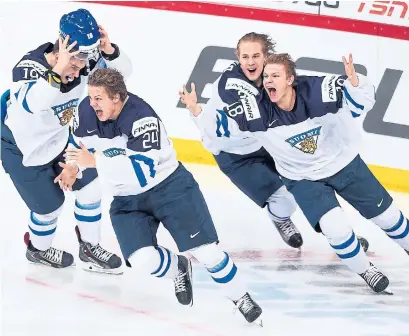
<point>221,267</point>
<point>89,194</point>
<point>334,225</point>
<point>208,255</point>
<point>45,218</point>
<point>281,203</point>
<point>388,218</point>
<point>145,260</point>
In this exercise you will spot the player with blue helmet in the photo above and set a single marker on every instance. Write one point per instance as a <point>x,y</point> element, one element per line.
<point>81,27</point>
<point>49,82</point>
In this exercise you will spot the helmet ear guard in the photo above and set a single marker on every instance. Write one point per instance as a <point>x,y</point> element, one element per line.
<point>82,27</point>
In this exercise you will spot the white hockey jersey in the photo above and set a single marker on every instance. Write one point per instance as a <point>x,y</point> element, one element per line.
<point>233,86</point>
<point>39,114</point>
<point>317,138</point>
<point>133,152</point>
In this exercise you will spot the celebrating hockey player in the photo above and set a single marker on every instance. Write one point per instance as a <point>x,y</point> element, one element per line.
<point>307,125</point>
<point>47,85</point>
<point>137,160</point>
<point>242,158</point>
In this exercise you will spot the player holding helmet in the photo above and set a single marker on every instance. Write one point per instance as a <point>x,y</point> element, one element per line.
<point>48,84</point>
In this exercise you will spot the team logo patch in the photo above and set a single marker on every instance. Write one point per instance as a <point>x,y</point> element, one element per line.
<point>112,152</point>
<point>307,141</point>
<point>65,111</point>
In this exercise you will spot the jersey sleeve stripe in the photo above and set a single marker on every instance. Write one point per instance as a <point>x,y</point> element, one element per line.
<point>28,85</point>
<point>353,102</point>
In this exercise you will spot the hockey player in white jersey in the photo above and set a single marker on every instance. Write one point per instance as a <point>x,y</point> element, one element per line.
<point>48,83</point>
<point>242,158</point>
<point>136,159</point>
<point>307,125</point>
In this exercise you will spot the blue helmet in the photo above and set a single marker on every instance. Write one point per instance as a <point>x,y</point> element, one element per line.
<point>83,28</point>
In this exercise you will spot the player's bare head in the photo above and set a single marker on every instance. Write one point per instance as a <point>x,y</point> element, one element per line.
<point>266,43</point>
<point>252,52</point>
<point>107,92</point>
<point>279,75</point>
<point>112,81</point>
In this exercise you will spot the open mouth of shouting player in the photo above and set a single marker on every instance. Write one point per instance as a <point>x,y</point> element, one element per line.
<point>278,83</point>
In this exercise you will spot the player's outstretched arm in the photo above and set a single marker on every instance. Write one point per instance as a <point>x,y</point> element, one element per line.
<point>358,92</point>
<point>222,116</point>
<point>205,117</point>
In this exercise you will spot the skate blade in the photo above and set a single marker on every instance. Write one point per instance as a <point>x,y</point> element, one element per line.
<point>92,268</point>
<point>35,263</point>
<point>191,280</point>
<point>258,322</point>
<point>387,292</point>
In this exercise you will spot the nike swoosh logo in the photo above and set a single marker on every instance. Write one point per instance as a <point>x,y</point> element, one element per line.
<point>272,123</point>
<point>89,132</point>
<point>380,203</point>
<point>194,235</point>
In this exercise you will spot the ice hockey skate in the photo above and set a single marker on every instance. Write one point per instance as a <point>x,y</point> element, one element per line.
<point>375,279</point>
<point>289,233</point>
<point>183,282</point>
<point>96,259</point>
<point>51,257</point>
<point>249,309</point>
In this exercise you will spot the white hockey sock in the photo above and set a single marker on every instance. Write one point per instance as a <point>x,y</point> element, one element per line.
<point>159,262</point>
<point>222,269</point>
<point>42,229</point>
<point>88,212</point>
<point>395,225</point>
<point>343,240</point>
<point>167,265</point>
<point>281,205</point>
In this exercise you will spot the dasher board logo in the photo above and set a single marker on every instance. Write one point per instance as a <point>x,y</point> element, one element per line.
<point>307,141</point>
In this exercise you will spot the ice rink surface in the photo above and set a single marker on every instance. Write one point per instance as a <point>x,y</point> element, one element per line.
<point>307,292</point>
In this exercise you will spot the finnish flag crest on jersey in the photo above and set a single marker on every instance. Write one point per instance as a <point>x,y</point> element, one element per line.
<point>306,141</point>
